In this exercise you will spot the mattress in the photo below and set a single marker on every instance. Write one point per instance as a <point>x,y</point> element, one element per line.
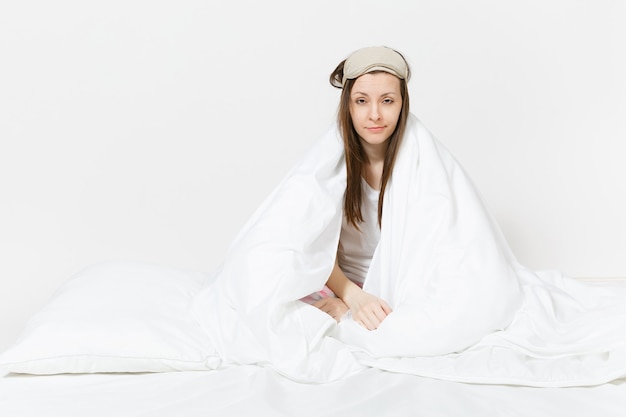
<point>251,390</point>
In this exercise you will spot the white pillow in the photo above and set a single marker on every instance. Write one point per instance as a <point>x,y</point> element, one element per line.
<point>116,317</point>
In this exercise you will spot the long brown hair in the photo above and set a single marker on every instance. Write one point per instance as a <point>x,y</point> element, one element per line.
<point>355,155</point>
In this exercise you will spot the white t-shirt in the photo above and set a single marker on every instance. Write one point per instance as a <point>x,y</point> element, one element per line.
<point>356,247</point>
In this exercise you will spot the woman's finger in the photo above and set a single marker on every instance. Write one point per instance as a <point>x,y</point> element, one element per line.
<point>371,322</point>
<point>379,313</point>
<point>385,308</point>
<point>320,303</point>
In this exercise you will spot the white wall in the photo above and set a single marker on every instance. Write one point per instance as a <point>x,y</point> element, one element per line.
<point>150,130</point>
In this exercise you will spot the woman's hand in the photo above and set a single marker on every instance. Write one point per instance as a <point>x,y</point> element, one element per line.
<point>367,310</point>
<point>333,306</point>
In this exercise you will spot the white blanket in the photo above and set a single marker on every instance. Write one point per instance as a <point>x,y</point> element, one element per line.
<point>463,307</point>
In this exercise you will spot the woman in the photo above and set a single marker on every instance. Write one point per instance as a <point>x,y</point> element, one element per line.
<point>379,203</point>
<point>372,116</point>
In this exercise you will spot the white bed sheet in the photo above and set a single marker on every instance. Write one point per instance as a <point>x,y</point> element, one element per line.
<point>251,390</point>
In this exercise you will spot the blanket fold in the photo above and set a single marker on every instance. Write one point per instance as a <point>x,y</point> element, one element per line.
<point>463,307</point>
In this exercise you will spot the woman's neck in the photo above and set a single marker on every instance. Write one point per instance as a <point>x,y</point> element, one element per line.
<point>373,168</point>
<point>372,174</point>
<point>375,153</point>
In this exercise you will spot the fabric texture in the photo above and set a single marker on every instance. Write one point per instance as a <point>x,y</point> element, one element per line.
<point>116,317</point>
<point>463,307</point>
<point>374,58</point>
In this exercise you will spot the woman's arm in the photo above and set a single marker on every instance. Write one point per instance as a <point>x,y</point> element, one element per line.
<point>367,310</point>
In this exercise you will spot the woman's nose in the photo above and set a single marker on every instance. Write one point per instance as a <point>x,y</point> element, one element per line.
<point>374,113</point>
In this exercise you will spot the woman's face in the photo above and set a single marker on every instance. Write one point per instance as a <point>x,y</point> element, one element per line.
<point>375,105</point>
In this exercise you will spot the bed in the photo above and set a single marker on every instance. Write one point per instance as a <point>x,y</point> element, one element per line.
<point>144,328</point>
<point>259,391</point>
<point>138,339</point>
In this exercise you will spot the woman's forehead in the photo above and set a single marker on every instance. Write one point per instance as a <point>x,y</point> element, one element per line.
<point>376,83</point>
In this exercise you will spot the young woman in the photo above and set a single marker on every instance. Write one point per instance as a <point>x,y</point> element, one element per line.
<point>419,278</point>
<point>372,116</point>
<point>463,308</point>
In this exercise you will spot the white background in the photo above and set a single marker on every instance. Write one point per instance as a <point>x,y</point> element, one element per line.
<point>150,130</point>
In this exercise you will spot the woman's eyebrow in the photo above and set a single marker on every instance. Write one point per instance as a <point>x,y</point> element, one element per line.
<point>391,93</point>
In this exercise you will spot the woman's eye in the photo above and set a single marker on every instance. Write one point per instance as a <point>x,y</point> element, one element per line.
<point>360,100</point>
<point>387,101</point>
